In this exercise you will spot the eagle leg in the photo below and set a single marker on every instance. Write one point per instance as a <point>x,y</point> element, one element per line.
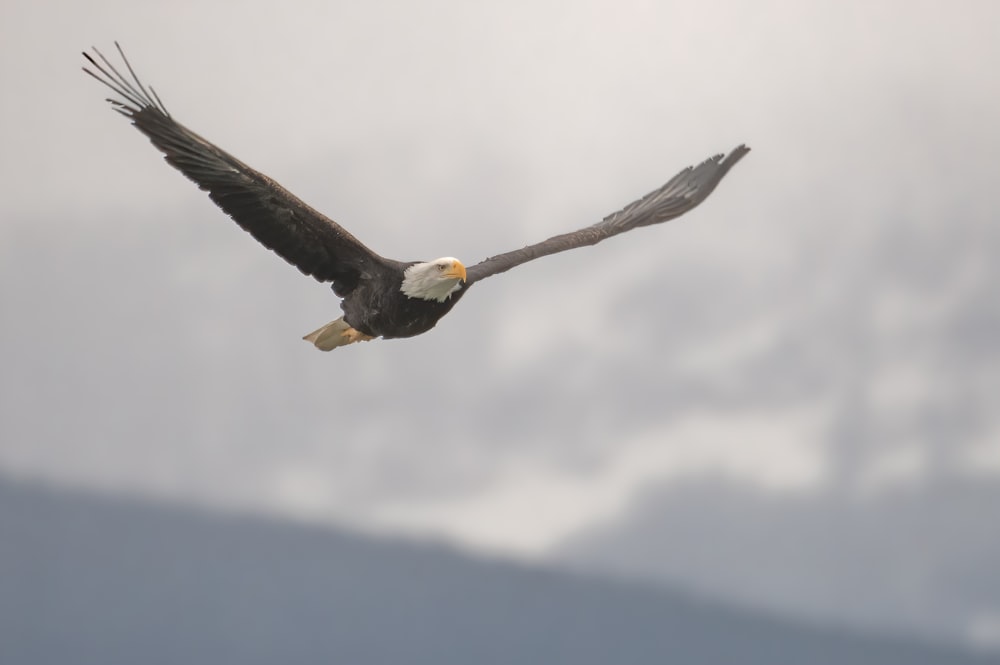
<point>334,334</point>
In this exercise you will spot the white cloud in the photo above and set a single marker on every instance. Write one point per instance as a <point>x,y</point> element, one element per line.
<point>899,466</point>
<point>983,455</point>
<point>529,506</point>
<point>984,630</point>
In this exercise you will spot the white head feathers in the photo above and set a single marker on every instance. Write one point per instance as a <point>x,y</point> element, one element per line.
<point>434,280</point>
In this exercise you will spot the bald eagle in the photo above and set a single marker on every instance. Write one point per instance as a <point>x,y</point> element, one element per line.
<point>380,297</point>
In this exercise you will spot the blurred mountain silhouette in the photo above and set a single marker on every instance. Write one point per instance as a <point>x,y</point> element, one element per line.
<point>96,579</point>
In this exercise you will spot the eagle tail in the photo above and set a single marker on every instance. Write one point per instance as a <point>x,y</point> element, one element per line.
<point>334,334</point>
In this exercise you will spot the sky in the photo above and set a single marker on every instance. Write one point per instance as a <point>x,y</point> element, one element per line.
<point>814,350</point>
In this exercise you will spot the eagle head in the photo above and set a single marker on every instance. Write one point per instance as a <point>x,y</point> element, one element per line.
<point>433,280</point>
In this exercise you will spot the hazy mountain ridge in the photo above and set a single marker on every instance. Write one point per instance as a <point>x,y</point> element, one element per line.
<point>87,579</point>
<point>917,559</point>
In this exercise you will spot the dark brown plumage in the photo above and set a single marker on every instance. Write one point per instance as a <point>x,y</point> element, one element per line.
<point>381,297</point>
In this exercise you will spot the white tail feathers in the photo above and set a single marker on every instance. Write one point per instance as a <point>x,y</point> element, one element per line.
<point>334,334</point>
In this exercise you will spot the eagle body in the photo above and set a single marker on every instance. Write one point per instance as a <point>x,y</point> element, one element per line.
<point>381,297</point>
<point>378,307</point>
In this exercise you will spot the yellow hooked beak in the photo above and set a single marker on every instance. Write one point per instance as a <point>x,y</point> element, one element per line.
<point>456,271</point>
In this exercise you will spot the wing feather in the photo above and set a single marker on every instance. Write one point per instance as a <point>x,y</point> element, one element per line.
<point>307,239</point>
<point>680,194</point>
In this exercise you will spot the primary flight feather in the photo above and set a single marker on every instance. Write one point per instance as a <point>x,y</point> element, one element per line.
<point>380,297</point>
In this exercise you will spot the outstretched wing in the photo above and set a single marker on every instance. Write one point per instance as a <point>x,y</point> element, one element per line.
<point>310,241</point>
<point>682,193</point>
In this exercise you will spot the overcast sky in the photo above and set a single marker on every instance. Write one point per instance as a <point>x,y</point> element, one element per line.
<point>824,332</point>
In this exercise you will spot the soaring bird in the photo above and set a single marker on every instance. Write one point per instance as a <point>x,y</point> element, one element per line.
<point>380,297</point>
